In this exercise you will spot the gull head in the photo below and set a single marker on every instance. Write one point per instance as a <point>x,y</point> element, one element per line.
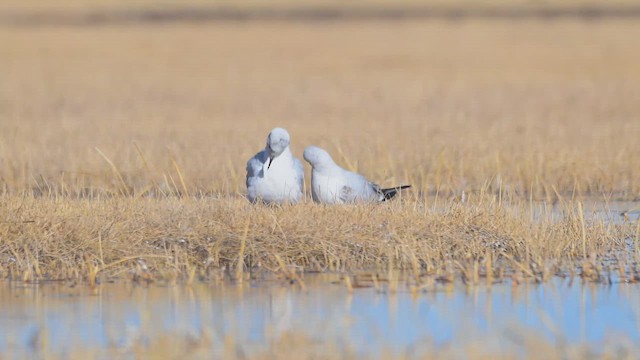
<point>277,141</point>
<point>317,157</point>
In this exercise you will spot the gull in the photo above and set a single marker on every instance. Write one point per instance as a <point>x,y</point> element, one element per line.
<point>274,175</point>
<point>331,184</point>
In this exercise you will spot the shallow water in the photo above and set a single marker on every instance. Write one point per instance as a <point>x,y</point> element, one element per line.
<point>115,314</point>
<point>615,212</point>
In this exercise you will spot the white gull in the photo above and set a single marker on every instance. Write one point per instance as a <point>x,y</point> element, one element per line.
<point>331,184</point>
<point>274,175</point>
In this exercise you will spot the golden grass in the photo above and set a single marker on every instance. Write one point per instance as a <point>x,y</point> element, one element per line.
<point>212,238</point>
<point>534,108</point>
<point>122,148</point>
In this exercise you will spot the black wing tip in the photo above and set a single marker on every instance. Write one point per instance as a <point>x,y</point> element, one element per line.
<point>391,192</point>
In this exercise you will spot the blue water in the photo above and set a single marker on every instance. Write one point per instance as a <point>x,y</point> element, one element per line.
<point>255,314</point>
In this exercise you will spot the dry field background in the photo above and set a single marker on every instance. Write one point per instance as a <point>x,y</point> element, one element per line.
<point>122,147</point>
<point>448,106</point>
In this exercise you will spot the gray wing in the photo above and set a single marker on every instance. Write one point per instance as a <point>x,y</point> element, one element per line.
<point>361,189</point>
<point>347,194</point>
<point>372,192</point>
<point>378,193</point>
<point>255,166</point>
<point>377,190</point>
<point>299,172</point>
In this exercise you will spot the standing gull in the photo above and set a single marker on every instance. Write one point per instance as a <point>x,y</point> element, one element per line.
<point>273,174</point>
<point>332,184</point>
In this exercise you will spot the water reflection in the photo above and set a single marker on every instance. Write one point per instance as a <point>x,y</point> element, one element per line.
<point>255,315</point>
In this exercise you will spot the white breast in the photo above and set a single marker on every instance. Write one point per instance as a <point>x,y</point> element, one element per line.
<point>278,183</point>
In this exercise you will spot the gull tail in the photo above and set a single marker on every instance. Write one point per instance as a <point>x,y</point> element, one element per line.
<point>391,192</point>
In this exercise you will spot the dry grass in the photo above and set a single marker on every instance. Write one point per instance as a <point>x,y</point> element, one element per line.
<point>212,238</point>
<point>122,148</point>
<point>523,106</point>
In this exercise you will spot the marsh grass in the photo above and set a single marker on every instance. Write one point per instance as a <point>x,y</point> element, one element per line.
<point>187,239</point>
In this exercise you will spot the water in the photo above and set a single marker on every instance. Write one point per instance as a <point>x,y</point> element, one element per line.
<point>255,315</point>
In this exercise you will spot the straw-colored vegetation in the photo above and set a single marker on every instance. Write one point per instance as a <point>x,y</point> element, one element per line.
<point>207,238</point>
<point>122,148</point>
<point>535,109</point>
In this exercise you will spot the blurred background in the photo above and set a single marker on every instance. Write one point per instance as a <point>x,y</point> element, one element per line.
<point>536,98</point>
